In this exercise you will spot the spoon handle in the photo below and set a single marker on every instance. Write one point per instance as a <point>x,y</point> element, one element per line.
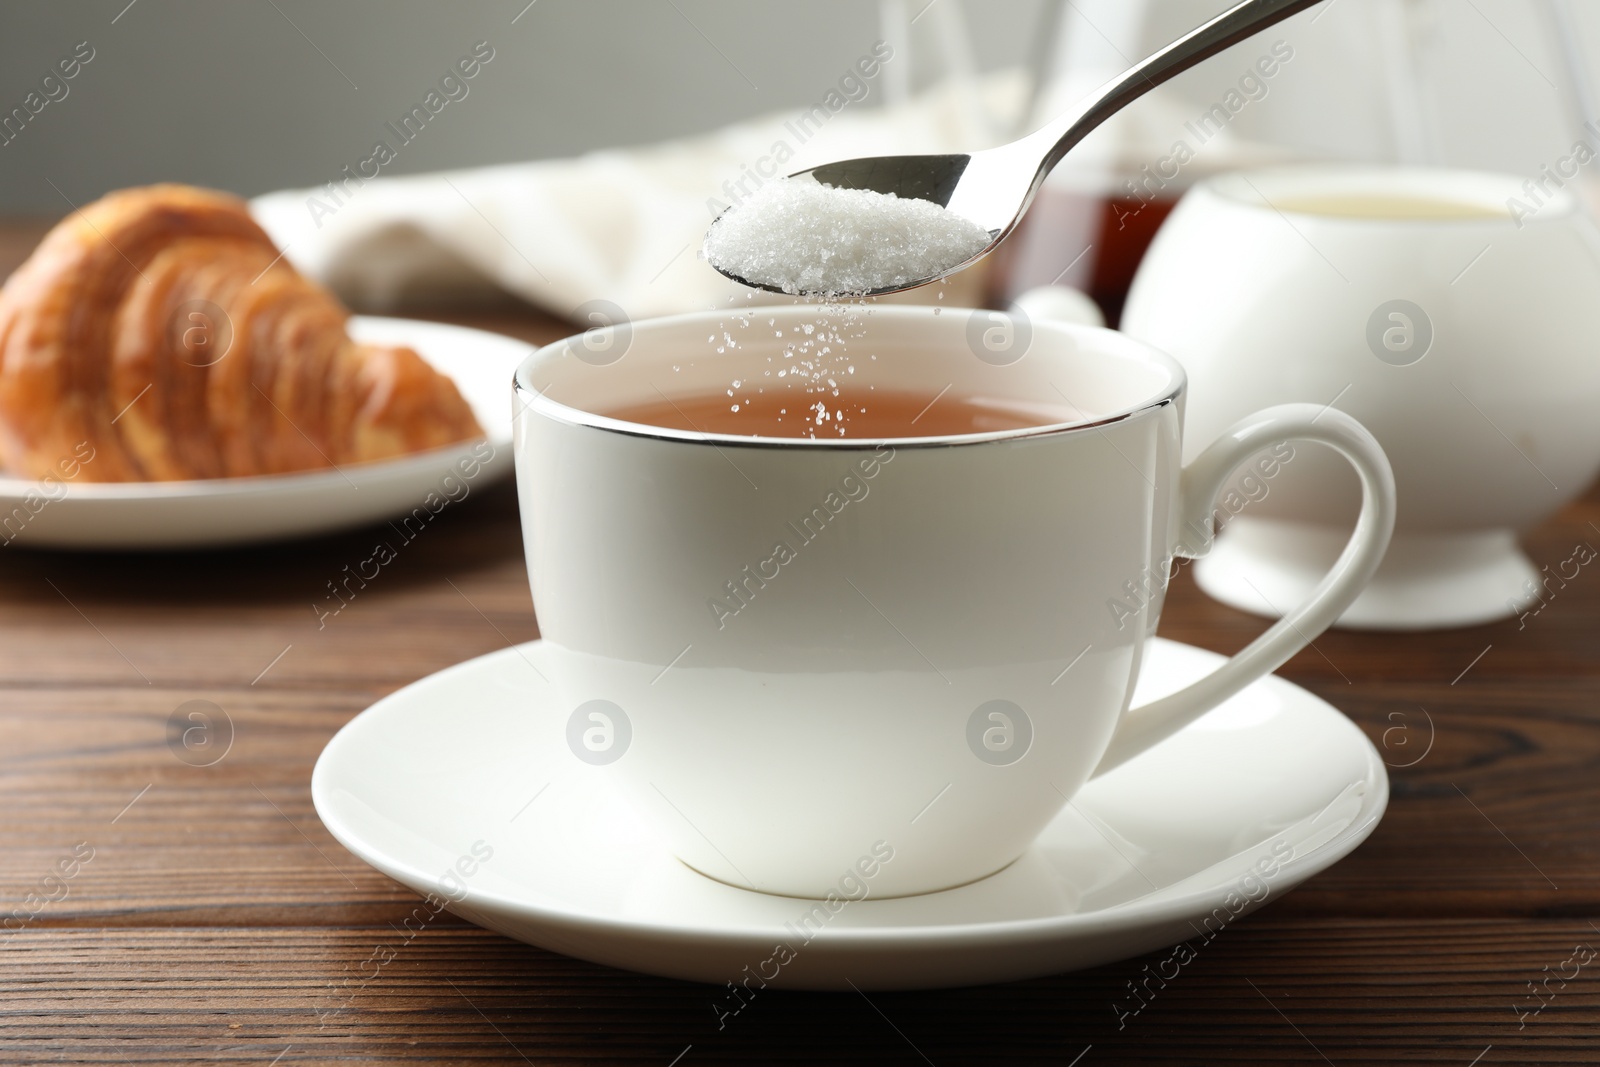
<point>1227,29</point>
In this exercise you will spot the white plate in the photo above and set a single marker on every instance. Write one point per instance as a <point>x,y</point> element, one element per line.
<point>224,511</point>
<point>473,760</point>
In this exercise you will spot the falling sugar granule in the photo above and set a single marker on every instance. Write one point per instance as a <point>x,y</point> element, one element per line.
<point>803,237</point>
<point>809,371</point>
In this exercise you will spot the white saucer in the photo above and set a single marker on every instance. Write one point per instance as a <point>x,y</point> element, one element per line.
<point>473,759</point>
<point>138,515</point>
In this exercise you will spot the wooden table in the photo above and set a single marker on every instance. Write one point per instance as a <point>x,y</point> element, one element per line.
<point>217,918</point>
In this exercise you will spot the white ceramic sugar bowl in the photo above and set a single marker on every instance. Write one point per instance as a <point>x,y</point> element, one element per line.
<point>1448,311</point>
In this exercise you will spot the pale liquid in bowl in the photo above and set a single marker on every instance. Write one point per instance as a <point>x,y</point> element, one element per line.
<point>1388,206</point>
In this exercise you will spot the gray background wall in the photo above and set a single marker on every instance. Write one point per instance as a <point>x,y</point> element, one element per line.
<point>231,95</point>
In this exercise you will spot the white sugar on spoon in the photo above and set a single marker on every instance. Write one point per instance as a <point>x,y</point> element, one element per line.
<point>805,237</point>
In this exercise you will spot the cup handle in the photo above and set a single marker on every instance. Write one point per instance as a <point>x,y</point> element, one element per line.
<point>1202,481</point>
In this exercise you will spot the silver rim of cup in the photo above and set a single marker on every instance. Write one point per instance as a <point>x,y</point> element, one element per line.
<point>529,398</point>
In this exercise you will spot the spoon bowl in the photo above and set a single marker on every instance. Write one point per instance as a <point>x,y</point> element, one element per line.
<point>936,179</point>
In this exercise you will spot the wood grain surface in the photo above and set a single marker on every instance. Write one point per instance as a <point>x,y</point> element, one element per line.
<point>218,922</point>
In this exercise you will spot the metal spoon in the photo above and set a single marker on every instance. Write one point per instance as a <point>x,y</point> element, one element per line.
<point>995,187</point>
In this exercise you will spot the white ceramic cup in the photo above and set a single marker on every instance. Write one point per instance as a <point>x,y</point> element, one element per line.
<point>1461,336</point>
<point>822,664</point>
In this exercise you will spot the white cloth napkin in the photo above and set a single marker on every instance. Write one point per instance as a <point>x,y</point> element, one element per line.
<point>621,225</point>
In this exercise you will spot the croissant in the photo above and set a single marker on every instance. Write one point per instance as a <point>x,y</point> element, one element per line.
<point>161,331</point>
